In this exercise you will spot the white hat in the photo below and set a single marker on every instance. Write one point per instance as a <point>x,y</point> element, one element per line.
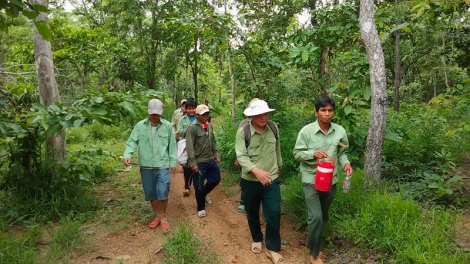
<point>257,107</point>
<point>201,109</point>
<point>155,107</point>
<point>183,101</point>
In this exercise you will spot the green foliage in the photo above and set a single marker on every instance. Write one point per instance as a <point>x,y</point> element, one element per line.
<point>19,248</point>
<point>182,246</point>
<point>389,224</point>
<point>65,240</point>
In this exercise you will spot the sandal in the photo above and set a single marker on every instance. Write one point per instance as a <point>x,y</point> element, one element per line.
<point>208,199</point>
<point>186,192</point>
<point>165,226</point>
<point>154,223</point>
<point>201,213</point>
<point>241,208</point>
<point>275,257</point>
<point>256,247</point>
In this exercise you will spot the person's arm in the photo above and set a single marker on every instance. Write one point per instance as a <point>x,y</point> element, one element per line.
<point>301,151</point>
<point>215,149</point>
<point>181,128</point>
<point>241,151</point>
<point>342,153</point>
<point>190,141</point>
<point>278,149</point>
<point>172,149</point>
<point>131,146</point>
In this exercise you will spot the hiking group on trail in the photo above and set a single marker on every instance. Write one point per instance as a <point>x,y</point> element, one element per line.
<point>258,156</point>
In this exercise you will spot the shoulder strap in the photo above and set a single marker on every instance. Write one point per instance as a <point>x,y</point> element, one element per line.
<point>273,129</point>
<point>246,129</point>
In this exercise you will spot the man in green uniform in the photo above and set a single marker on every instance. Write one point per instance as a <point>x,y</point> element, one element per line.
<point>261,162</point>
<point>319,140</point>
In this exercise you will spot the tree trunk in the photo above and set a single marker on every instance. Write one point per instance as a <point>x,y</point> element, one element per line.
<point>375,137</point>
<point>232,78</point>
<point>396,100</point>
<point>48,91</point>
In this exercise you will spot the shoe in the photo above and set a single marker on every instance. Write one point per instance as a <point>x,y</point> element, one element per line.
<point>186,192</point>
<point>165,226</point>
<point>256,247</point>
<point>201,213</point>
<point>154,223</point>
<point>208,199</point>
<point>241,208</point>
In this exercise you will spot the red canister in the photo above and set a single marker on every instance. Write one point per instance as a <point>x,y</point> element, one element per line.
<point>324,175</point>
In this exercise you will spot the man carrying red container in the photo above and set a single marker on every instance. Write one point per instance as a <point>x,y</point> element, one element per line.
<point>319,140</point>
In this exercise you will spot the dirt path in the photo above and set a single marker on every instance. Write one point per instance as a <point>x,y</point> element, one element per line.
<point>223,227</point>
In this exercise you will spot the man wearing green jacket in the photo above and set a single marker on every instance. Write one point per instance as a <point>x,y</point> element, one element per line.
<point>261,162</point>
<point>203,158</point>
<point>318,140</point>
<point>157,159</point>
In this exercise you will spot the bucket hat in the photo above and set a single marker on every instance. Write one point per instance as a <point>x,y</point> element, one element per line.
<point>155,107</point>
<point>257,108</point>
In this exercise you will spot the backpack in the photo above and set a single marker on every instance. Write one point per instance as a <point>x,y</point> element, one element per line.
<point>246,129</point>
<point>182,156</point>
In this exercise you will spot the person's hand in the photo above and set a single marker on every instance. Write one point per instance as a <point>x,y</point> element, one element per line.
<point>127,161</point>
<point>279,172</point>
<point>320,154</point>
<point>176,137</point>
<point>217,159</point>
<point>172,170</point>
<point>348,169</point>
<point>236,164</point>
<point>263,176</point>
<point>195,169</point>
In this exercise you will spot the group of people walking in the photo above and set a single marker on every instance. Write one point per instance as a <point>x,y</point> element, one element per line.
<point>258,155</point>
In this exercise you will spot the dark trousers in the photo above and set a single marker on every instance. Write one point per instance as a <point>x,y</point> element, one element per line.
<point>188,174</point>
<point>318,204</point>
<point>210,174</point>
<point>254,193</point>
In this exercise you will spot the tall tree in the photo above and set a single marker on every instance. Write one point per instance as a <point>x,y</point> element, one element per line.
<point>397,81</point>
<point>48,91</point>
<point>375,138</point>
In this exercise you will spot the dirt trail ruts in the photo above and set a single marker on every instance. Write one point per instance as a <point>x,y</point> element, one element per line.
<point>223,227</point>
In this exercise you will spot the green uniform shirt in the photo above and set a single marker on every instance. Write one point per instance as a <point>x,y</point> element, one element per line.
<point>183,124</point>
<point>157,150</point>
<point>264,152</point>
<point>175,118</point>
<point>310,139</point>
<point>200,146</point>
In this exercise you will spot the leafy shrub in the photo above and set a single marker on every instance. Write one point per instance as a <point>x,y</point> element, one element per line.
<point>16,248</point>
<point>65,240</point>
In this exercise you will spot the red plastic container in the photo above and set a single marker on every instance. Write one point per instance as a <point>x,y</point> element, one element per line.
<point>324,175</point>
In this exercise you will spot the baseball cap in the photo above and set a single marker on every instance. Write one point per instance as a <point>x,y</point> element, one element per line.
<point>257,108</point>
<point>183,101</point>
<point>155,107</point>
<point>201,109</point>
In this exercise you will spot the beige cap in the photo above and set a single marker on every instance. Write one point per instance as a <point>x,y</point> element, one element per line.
<point>155,107</point>
<point>183,101</point>
<point>201,109</point>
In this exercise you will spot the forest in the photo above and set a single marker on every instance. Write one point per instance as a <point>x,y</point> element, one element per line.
<point>76,76</point>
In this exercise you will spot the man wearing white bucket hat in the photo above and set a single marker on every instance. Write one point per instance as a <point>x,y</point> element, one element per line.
<point>259,154</point>
<point>320,140</point>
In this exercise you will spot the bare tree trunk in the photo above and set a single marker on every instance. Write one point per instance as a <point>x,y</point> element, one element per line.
<point>444,69</point>
<point>434,84</point>
<point>48,91</point>
<point>396,101</point>
<point>232,78</point>
<point>375,138</point>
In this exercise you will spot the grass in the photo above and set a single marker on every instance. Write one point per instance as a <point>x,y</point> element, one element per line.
<point>182,246</point>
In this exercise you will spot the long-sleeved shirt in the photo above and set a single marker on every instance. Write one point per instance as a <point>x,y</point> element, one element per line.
<point>201,146</point>
<point>175,118</point>
<point>310,139</point>
<point>264,152</point>
<point>157,149</point>
<point>183,125</point>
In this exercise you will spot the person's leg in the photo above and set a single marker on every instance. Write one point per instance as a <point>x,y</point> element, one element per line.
<point>149,183</point>
<point>188,173</point>
<point>252,193</point>
<point>315,219</point>
<point>212,176</point>
<point>241,207</point>
<point>272,214</point>
<point>326,199</point>
<point>198,182</point>
<point>163,188</point>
